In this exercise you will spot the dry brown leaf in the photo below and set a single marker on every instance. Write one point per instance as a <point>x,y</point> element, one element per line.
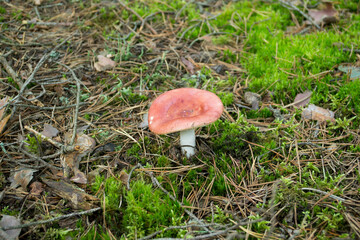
<point>327,14</point>
<point>124,177</point>
<point>78,198</point>
<point>10,221</point>
<point>5,119</point>
<point>21,178</point>
<point>59,89</point>
<point>302,99</point>
<point>2,103</point>
<point>317,113</point>
<point>3,122</point>
<point>104,63</point>
<point>253,99</point>
<point>189,66</point>
<point>49,131</point>
<point>70,161</point>
<point>79,177</point>
<point>36,188</point>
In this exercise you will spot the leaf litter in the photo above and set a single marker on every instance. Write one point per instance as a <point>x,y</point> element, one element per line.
<point>151,59</point>
<point>10,221</point>
<point>326,13</point>
<point>302,99</point>
<point>318,113</point>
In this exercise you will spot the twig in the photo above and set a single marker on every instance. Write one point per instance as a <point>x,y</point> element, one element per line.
<point>11,71</point>
<point>55,143</point>
<point>175,227</point>
<point>52,219</point>
<point>324,193</point>
<point>350,50</point>
<point>217,233</point>
<point>64,148</point>
<point>291,6</point>
<point>48,23</point>
<point>40,160</point>
<point>76,114</point>
<point>129,177</point>
<point>37,67</point>
<point>48,108</point>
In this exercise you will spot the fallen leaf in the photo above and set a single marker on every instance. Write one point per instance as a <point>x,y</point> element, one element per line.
<point>5,119</point>
<point>10,221</point>
<point>49,131</point>
<point>2,103</point>
<point>108,147</point>
<point>220,69</point>
<point>59,89</point>
<point>3,122</point>
<point>78,198</point>
<point>253,99</point>
<point>189,66</point>
<point>124,177</point>
<point>327,14</point>
<point>21,178</point>
<point>70,161</point>
<point>352,70</point>
<point>302,99</point>
<point>36,188</point>
<point>79,177</point>
<point>104,63</point>
<point>317,113</point>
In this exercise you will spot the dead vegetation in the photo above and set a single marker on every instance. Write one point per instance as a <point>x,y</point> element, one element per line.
<point>77,78</point>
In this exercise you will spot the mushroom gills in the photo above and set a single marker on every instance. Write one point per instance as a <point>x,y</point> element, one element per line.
<point>187,142</point>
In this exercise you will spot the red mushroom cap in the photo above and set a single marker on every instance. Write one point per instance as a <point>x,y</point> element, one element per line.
<point>183,108</point>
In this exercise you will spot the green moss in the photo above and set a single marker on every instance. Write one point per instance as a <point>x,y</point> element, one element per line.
<point>149,210</point>
<point>226,98</point>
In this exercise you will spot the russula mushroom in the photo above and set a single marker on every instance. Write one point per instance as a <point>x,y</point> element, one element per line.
<point>182,110</point>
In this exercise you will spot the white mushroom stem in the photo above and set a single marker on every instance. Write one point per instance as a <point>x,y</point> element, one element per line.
<point>187,142</point>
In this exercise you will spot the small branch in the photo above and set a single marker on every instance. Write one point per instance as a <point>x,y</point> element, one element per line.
<point>52,219</point>
<point>131,171</point>
<point>324,193</point>
<point>40,160</point>
<point>37,67</point>
<point>175,227</point>
<point>47,108</point>
<point>55,143</point>
<point>76,114</point>
<point>217,233</point>
<point>47,23</point>
<point>11,72</point>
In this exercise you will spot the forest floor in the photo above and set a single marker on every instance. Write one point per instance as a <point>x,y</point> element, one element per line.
<point>77,158</point>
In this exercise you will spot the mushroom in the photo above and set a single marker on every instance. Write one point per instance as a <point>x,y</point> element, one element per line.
<point>184,109</point>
